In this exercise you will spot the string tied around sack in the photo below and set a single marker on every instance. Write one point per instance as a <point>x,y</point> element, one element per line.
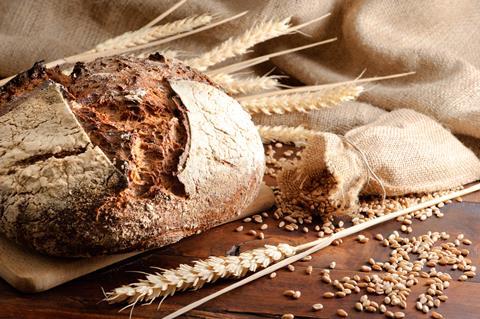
<point>370,171</point>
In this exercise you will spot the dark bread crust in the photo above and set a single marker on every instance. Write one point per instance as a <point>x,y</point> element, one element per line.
<point>129,110</point>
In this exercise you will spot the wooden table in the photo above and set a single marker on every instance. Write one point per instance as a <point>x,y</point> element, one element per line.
<point>263,298</point>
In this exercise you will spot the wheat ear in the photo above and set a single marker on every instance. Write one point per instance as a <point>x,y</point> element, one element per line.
<point>235,46</point>
<point>86,57</point>
<point>251,62</point>
<point>285,134</point>
<point>302,102</point>
<point>185,277</point>
<point>236,85</point>
<point>146,35</point>
<point>312,88</point>
<point>316,245</point>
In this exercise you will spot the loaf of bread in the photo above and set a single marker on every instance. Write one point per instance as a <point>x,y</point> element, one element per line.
<point>122,154</point>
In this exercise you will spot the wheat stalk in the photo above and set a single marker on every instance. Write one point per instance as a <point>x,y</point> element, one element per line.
<point>265,260</point>
<point>302,102</point>
<point>251,62</point>
<point>285,134</point>
<point>311,247</point>
<point>235,85</point>
<point>235,46</point>
<point>87,57</point>
<point>164,14</point>
<point>185,277</point>
<point>146,35</point>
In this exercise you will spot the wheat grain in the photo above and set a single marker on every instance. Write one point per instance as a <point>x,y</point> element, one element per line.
<point>302,102</point>
<point>235,85</point>
<point>235,46</point>
<point>285,134</point>
<point>145,35</point>
<point>185,277</point>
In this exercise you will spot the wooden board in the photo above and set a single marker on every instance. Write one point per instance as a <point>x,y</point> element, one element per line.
<point>29,271</point>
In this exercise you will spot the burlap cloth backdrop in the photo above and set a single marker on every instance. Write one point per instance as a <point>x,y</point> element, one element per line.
<point>437,39</point>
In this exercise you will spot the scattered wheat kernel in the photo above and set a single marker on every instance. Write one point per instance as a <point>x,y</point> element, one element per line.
<point>247,220</point>
<point>328,294</point>
<point>281,224</point>
<point>462,278</point>
<point>379,237</point>
<point>278,145</point>
<point>467,241</point>
<point>370,309</point>
<point>307,258</point>
<point>365,268</point>
<point>470,274</point>
<point>317,307</point>
<point>291,267</point>
<point>261,236</point>
<point>342,313</point>
<point>258,219</point>
<point>289,227</point>
<point>377,267</point>
<point>309,270</point>
<point>399,315</point>
<point>239,229</point>
<point>443,298</point>
<point>273,275</point>
<point>358,306</point>
<point>436,315</point>
<point>288,292</point>
<point>252,232</point>
<point>382,308</point>
<point>305,229</point>
<point>288,316</point>
<point>264,226</point>
<point>389,314</point>
<point>333,265</point>
<point>340,294</point>
<point>297,294</point>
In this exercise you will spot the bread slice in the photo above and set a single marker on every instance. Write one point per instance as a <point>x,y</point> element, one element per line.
<point>122,154</point>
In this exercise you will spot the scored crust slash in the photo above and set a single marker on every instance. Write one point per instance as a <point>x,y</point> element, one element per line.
<point>122,154</point>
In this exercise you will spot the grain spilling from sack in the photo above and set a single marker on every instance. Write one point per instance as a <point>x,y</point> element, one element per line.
<point>402,152</point>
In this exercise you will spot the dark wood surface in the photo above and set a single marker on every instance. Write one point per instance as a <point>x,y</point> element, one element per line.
<point>263,298</point>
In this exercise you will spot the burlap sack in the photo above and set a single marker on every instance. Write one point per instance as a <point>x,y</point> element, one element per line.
<point>401,152</point>
<point>437,39</point>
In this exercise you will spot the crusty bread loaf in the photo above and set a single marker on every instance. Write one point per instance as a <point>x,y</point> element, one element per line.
<point>122,154</point>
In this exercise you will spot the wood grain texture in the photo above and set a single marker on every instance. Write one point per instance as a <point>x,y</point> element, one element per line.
<point>263,298</point>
